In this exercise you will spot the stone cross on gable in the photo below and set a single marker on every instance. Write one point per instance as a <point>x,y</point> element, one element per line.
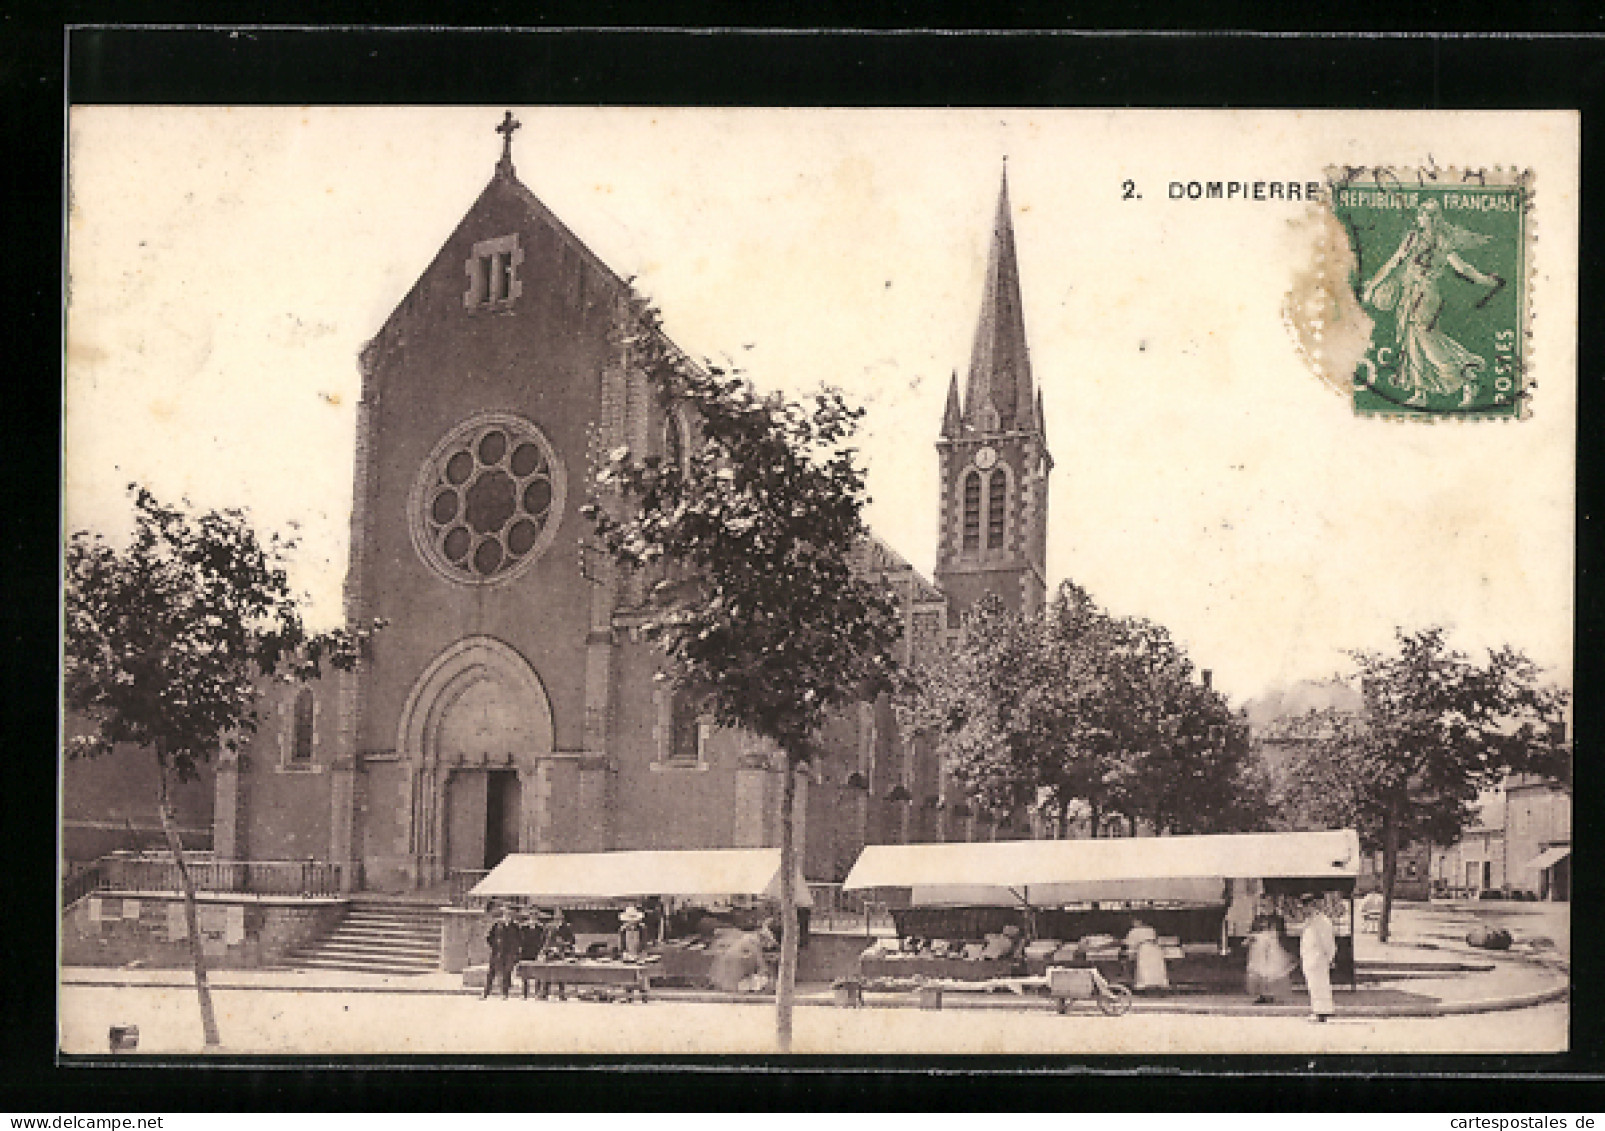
<point>509,124</point>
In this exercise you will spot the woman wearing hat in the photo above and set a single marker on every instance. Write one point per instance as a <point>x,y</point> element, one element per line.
<point>1269,966</point>
<point>632,931</point>
<point>1148,960</point>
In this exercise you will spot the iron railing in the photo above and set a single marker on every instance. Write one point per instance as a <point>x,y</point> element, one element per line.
<point>462,881</point>
<point>260,877</point>
<point>81,883</point>
<point>846,911</point>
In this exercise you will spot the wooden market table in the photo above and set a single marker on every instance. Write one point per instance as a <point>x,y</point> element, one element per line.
<point>633,978</point>
<point>931,968</point>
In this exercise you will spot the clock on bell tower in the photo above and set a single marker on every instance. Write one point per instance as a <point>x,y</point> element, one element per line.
<point>993,453</point>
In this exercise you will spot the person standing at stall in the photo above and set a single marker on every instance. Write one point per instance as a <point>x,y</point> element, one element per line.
<point>1148,960</point>
<point>559,940</point>
<point>1317,948</point>
<point>504,939</point>
<point>632,931</point>
<point>531,941</point>
<point>1269,966</point>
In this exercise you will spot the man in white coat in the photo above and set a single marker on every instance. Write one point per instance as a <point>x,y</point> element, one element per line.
<point>1317,948</point>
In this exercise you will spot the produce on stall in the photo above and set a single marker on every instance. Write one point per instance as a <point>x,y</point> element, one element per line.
<point>1075,901</point>
<point>708,915</point>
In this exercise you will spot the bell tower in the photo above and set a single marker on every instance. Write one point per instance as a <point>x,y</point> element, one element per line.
<point>993,452</point>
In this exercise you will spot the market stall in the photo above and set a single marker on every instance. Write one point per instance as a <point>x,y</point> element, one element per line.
<point>706,910</point>
<point>1085,901</point>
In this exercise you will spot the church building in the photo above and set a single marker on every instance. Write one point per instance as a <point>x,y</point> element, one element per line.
<point>510,703</point>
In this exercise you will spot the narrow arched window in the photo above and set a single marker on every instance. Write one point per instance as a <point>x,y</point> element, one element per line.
<point>673,445</point>
<point>972,511</point>
<point>301,738</point>
<point>995,510</point>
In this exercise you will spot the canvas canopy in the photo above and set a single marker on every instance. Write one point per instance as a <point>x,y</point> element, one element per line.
<point>1045,873</point>
<point>556,876</point>
<point>1549,858</point>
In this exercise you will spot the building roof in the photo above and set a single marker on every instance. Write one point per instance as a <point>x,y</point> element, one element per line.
<point>1489,809</point>
<point>1000,361</point>
<point>623,875</point>
<point>1281,704</point>
<point>1052,871</point>
<point>873,555</point>
<point>1548,858</point>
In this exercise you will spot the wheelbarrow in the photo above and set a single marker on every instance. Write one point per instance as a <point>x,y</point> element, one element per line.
<point>1068,984</point>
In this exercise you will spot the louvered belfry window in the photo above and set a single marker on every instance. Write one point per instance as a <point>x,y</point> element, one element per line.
<point>995,510</point>
<point>972,511</point>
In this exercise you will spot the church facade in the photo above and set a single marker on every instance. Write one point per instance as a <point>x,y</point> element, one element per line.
<point>510,703</point>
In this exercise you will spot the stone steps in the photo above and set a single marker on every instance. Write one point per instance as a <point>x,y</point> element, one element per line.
<point>377,936</point>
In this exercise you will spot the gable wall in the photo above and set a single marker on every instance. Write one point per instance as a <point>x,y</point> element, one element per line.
<point>438,363</point>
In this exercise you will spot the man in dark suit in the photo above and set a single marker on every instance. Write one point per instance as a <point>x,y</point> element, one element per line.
<point>505,939</point>
<point>531,945</point>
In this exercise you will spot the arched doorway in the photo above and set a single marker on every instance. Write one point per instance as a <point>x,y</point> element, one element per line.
<point>474,731</point>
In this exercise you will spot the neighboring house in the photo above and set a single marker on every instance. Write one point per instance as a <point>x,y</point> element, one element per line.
<point>511,703</point>
<point>1538,836</point>
<point>1476,862</point>
<point>1269,717</point>
<point>1410,878</point>
<point>1274,719</point>
<point>1521,842</point>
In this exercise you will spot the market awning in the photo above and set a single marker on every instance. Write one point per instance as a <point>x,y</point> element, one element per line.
<point>1548,858</point>
<point>1193,890</point>
<point>623,875</point>
<point>1044,872</point>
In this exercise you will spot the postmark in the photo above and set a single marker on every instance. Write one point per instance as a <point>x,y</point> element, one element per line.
<point>1419,305</point>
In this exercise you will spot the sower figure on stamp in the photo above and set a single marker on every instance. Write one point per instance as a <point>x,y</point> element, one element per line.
<point>504,938</point>
<point>1408,286</point>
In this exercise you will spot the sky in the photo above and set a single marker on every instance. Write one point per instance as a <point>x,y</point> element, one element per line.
<point>226,266</point>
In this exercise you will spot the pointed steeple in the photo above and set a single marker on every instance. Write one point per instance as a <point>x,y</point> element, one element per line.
<point>953,418</point>
<point>1000,363</point>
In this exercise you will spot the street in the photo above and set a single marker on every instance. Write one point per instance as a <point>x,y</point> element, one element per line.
<point>346,1023</point>
<point>299,1013</point>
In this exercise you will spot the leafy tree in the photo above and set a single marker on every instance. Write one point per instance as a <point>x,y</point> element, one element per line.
<point>1078,712</point>
<point>166,643</point>
<point>968,695</point>
<point>748,537</point>
<point>1435,729</point>
<point>1199,775</point>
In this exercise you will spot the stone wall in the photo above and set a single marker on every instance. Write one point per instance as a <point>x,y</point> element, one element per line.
<point>237,932</point>
<point>462,939</point>
<point>109,803</point>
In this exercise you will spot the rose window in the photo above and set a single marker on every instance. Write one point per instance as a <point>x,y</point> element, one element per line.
<point>488,500</point>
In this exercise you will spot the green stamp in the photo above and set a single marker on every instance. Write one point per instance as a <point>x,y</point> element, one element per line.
<point>1440,266</point>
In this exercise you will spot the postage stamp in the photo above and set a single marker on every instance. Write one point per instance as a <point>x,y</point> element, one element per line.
<point>1440,266</point>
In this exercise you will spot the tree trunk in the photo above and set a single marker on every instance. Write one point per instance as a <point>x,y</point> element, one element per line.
<point>191,915</point>
<point>1094,821</point>
<point>786,990</point>
<point>1390,865</point>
